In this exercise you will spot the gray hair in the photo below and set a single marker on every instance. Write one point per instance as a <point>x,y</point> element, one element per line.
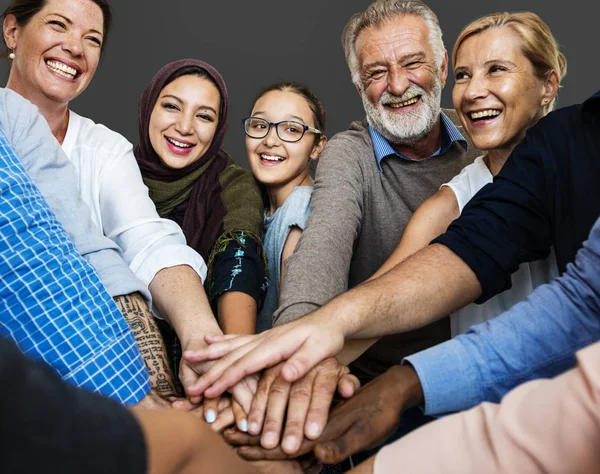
<point>378,13</point>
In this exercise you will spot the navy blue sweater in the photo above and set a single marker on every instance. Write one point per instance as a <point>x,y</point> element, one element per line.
<point>547,194</point>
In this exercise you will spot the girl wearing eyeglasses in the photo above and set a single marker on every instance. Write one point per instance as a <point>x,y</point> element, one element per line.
<point>284,134</point>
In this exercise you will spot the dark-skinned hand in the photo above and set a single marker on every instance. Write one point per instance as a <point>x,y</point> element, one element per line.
<point>363,422</point>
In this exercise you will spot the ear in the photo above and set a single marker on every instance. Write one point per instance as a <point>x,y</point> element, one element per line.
<point>550,89</point>
<point>10,29</point>
<point>444,69</point>
<point>318,148</point>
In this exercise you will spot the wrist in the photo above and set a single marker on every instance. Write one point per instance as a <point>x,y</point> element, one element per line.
<point>407,385</point>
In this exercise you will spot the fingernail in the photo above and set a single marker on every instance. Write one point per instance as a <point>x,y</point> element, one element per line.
<point>270,440</point>
<point>211,416</point>
<point>289,444</point>
<point>244,426</point>
<point>254,428</point>
<point>313,429</point>
<point>291,372</point>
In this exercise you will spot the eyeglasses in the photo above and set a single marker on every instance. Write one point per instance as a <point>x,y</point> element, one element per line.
<point>288,131</point>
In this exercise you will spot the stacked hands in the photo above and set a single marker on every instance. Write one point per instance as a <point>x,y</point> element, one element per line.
<point>300,377</point>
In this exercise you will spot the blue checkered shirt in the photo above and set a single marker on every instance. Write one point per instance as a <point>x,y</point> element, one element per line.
<point>450,134</point>
<point>52,303</point>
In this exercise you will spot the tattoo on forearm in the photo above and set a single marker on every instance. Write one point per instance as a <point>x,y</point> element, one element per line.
<point>149,341</point>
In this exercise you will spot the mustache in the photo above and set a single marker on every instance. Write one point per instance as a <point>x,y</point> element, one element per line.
<point>413,91</point>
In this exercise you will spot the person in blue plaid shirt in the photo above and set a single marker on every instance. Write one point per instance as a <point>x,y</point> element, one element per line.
<point>52,302</point>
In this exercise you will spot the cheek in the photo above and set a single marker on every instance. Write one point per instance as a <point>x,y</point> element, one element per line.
<point>206,134</point>
<point>373,92</point>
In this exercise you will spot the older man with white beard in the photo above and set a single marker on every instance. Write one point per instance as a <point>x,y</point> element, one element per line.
<point>372,177</point>
<point>370,180</point>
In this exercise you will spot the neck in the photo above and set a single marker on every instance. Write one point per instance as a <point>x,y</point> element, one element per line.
<point>278,194</point>
<point>56,114</point>
<point>495,159</point>
<point>425,147</point>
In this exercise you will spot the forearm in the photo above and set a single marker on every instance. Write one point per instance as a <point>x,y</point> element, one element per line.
<point>179,443</point>
<point>353,349</point>
<point>178,294</point>
<point>237,313</point>
<point>426,287</point>
<point>149,341</point>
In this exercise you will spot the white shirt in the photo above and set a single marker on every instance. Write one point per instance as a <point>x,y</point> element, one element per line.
<point>111,185</point>
<point>529,275</point>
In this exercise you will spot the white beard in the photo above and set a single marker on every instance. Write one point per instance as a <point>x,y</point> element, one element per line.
<point>405,128</point>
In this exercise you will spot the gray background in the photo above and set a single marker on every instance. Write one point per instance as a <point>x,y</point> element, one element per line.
<point>305,46</point>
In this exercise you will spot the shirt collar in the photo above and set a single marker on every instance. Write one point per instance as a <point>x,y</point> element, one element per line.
<point>450,134</point>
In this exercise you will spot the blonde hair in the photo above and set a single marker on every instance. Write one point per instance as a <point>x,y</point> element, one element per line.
<point>537,42</point>
<point>384,10</point>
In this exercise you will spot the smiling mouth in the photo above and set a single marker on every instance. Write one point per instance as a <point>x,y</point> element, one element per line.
<point>179,144</point>
<point>406,103</point>
<point>62,69</point>
<point>271,158</point>
<point>484,115</point>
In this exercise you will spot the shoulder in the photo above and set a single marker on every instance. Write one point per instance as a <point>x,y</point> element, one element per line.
<point>16,113</point>
<point>298,202</point>
<point>348,151</point>
<point>295,209</point>
<point>97,137</point>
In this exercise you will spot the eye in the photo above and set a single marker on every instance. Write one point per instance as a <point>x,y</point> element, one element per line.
<point>169,106</point>
<point>205,117</point>
<point>57,24</point>
<point>412,65</point>
<point>461,75</point>
<point>259,125</point>
<point>377,74</point>
<point>94,40</point>
<point>497,68</point>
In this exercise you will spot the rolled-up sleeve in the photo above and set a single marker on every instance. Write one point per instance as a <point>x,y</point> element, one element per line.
<point>149,242</point>
<point>535,338</point>
<point>508,222</point>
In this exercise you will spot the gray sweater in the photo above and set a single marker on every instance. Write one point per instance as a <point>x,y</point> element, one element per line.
<point>357,218</point>
<point>44,160</point>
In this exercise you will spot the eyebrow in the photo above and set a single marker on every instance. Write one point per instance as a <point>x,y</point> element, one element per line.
<point>503,61</point>
<point>292,116</point>
<point>403,59</point>
<point>71,22</point>
<point>174,97</point>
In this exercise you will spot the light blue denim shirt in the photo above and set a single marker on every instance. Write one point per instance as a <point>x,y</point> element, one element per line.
<point>535,338</point>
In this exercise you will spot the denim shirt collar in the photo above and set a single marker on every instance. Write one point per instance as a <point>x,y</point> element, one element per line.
<point>450,134</point>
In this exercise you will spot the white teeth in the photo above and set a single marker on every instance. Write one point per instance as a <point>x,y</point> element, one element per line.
<point>62,69</point>
<point>405,103</point>
<point>484,113</point>
<point>179,144</point>
<point>271,157</point>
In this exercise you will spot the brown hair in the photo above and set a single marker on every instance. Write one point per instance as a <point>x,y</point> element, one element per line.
<point>24,10</point>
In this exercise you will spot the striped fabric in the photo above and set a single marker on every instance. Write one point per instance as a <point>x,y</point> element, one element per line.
<point>450,134</point>
<point>52,303</point>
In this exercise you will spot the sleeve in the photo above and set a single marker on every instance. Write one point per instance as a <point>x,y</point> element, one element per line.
<point>546,426</point>
<point>45,162</point>
<point>239,267</point>
<point>318,269</point>
<point>72,431</point>
<point>508,222</point>
<point>535,338</point>
<point>129,218</point>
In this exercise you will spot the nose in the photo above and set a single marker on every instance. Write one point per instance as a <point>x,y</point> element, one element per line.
<point>272,139</point>
<point>476,88</point>
<point>398,82</point>
<point>73,45</point>
<point>184,124</point>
